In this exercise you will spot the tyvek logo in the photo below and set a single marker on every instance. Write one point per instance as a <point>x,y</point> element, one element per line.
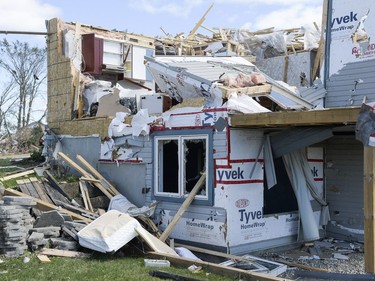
<point>345,19</point>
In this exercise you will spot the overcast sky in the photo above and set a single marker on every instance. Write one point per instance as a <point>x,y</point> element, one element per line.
<point>148,16</point>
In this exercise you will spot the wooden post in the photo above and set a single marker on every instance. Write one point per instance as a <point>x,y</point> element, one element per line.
<point>369,208</point>
<point>183,208</point>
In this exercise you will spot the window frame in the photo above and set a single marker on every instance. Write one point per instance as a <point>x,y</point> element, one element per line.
<point>181,136</point>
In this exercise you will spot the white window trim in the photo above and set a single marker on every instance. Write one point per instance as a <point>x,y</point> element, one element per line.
<point>181,162</point>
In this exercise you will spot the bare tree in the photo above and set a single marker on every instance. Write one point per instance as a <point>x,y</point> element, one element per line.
<point>27,68</point>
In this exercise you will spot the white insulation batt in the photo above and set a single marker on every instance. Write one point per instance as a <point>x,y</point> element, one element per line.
<point>113,230</point>
<point>109,232</point>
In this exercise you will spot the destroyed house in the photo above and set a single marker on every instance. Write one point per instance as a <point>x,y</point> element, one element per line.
<point>271,164</point>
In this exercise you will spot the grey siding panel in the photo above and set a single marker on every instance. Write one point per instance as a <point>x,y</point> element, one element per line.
<point>344,186</point>
<point>220,145</point>
<point>340,86</point>
<point>129,179</point>
<point>87,146</point>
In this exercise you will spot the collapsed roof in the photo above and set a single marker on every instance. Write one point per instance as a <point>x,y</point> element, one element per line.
<point>218,78</point>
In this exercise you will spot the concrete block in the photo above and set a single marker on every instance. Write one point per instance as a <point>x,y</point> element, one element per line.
<point>51,231</point>
<point>64,244</point>
<point>17,200</point>
<point>50,218</point>
<point>34,237</point>
<point>76,225</point>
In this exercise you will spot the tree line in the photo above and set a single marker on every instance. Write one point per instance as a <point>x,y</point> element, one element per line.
<point>23,72</point>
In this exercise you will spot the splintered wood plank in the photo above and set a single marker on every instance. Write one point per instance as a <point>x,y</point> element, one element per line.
<point>43,258</point>
<point>64,253</point>
<point>332,116</point>
<point>31,189</point>
<point>54,194</point>
<point>40,190</point>
<point>369,208</point>
<point>97,174</point>
<point>183,207</point>
<point>85,174</point>
<point>45,206</point>
<point>83,194</point>
<point>218,269</point>
<point>18,175</point>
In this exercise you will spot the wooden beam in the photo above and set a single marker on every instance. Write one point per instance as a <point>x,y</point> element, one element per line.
<point>85,174</point>
<point>183,207</point>
<point>45,206</point>
<point>320,53</point>
<point>97,174</point>
<point>203,18</point>
<point>74,165</point>
<point>218,269</point>
<point>369,208</point>
<point>18,175</point>
<point>64,253</point>
<point>332,116</point>
<point>214,253</point>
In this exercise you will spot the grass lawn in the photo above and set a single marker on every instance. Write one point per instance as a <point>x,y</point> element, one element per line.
<point>98,267</point>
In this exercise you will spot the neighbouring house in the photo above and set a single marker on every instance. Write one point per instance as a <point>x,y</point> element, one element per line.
<point>281,159</point>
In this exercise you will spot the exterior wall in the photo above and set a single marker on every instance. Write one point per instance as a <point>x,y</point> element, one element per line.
<point>60,79</point>
<point>86,146</point>
<point>235,222</point>
<point>344,187</point>
<point>350,53</point>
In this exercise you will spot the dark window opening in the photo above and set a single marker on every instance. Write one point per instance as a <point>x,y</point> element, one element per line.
<point>195,162</point>
<point>280,198</point>
<point>170,166</point>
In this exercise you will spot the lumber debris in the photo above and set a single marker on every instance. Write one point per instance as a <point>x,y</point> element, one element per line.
<point>45,206</point>
<point>53,182</point>
<point>18,175</point>
<point>101,179</point>
<point>43,258</point>
<point>302,266</point>
<point>107,191</point>
<point>64,253</point>
<point>217,269</point>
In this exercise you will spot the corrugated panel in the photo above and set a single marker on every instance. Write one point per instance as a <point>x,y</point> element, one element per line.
<point>341,86</point>
<point>344,186</point>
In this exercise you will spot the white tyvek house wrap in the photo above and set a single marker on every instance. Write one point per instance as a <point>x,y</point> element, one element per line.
<point>352,33</point>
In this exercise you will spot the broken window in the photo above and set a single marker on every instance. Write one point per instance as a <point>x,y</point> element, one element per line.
<point>180,160</point>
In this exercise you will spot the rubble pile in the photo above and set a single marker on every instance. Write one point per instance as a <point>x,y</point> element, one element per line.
<point>55,230</point>
<point>15,223</point>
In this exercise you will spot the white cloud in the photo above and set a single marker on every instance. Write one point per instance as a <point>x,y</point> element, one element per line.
<point>25,15</point>
<point>271,2</point>
<point>179,9</point>
<point>294,16</point>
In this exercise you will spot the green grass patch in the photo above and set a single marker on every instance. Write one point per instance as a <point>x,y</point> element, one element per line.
<point>99,267</point>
